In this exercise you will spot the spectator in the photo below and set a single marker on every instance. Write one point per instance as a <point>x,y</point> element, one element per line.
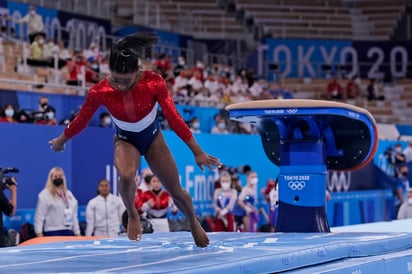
<point>43,103</point>
<point>56,211</point>
<point>271,196</point>
<point>105,120</point>
<point>224,199</point>
<point>62,52</point>
<point>162,64</point>
<point>195,125</point>
<point>144,184</point>
<point>280,92</point>
<point>9,114</point>
<point>247,200</point>
<point>396,158</point>
<point>352,89</point>
<point>104,212</point>
<point>405,210</point>
<point>402,185</point>
<point>48,117</point>
<point>36,57</point>
<point>34,23</point>
<point>408,152</point>
<point>7,206</point>
<point>156,203</point>
<point>181,66</point>
<point>373,91</point>
<point>220,127</point>
<point>334,90</point>
<point>195,83</point>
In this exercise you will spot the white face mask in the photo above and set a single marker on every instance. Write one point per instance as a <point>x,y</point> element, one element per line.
<point>225,186</point>
<point>221,125</point>
<point>9,112</point>
<point>196,125</point>
<point>50,115</point>
<point>107,120</point>
<point>254,181</point>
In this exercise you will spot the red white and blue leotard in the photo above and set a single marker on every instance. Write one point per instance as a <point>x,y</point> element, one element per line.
<point>133,110</point>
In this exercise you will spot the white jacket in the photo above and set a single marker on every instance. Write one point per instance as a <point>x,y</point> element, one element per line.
<point>104,216</point>
<point>50,213</point>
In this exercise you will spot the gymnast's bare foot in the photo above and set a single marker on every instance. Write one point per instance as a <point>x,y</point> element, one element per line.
<point>199,235</point>
<point>134,229</point>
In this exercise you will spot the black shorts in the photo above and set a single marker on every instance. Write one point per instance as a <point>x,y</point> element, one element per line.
<point>140,140</point>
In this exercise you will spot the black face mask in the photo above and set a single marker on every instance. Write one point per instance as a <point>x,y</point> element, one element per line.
<point>405,174</point>
<point>58,182</point>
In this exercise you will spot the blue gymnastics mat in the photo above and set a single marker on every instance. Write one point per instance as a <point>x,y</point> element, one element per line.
<point>174,252</point>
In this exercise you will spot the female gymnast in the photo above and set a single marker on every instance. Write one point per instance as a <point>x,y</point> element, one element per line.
<point>132,95</point>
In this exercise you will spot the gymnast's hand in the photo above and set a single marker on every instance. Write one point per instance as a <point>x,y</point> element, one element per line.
<point>208,160</point>
<point>58,144</point>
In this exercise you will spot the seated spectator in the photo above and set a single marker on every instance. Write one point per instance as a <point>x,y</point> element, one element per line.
<point>156,203</point>
<point>334,90</point>
<point>202,98</point>
<point>373,91</point>
<point>93,53</point>
<point>181,65</point>
<point>50,52</point>
<point>196,84</point>
<point>163,65</point>
<point>48,117</point>
<point>78,71</point>
<point>62,51</point>
<point>8,115</point>
<point>36,56</point>
<point>352,89</point>
<point>280,92</point>
<point>219,127</point>
<point>194,125</point>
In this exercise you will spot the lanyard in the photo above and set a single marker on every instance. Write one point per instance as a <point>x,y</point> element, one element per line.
<point>64,198</point>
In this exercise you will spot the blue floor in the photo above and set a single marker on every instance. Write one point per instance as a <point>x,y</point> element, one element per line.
<point>345,250</point>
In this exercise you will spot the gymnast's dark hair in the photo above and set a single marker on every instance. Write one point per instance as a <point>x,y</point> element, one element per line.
<point>126,52</point>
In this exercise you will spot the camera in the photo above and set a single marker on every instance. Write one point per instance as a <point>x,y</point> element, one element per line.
<point>7,181</point>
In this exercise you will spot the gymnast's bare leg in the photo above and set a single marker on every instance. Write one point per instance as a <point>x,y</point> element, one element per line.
<point>127,161</point>
<point>163,165</point>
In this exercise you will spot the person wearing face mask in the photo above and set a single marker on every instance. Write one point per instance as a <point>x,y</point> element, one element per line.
<point>248,200</point>
<point>48,117</point>
<point>405,210</point>
<point>219,127</point>
<point>34,23</point>
<point>402,186</point>
<point>9,113</point>
<point>156,202</point>
<point>195,125</point>
<point>224,199</point>
<point>56,210</point>
<point>105,120</point>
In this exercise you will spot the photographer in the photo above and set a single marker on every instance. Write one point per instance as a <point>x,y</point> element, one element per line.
<point>7,206</point>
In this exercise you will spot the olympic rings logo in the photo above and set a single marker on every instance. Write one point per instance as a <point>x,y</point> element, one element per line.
<point>292,110</point>
<point>296,185</point>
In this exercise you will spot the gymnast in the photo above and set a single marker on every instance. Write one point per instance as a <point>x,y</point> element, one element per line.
<point>131,96</point>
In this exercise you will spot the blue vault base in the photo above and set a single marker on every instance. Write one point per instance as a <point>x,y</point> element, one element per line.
<point>346,251</point>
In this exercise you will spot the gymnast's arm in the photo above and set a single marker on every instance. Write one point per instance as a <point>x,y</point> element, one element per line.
<point>86,112</point>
